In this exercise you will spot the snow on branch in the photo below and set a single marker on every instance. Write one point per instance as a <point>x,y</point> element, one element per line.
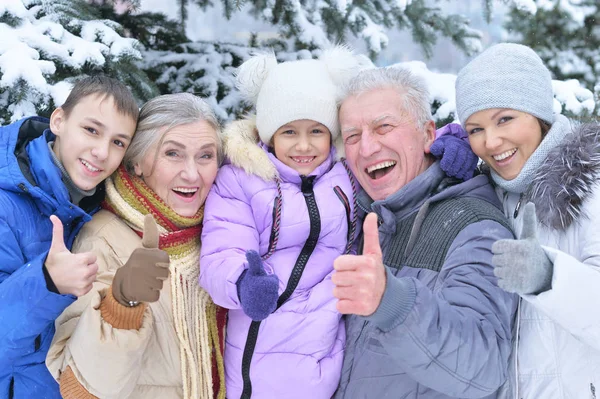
<point>39,54</point>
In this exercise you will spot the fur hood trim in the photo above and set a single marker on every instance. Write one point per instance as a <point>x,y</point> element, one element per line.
<point>242,148</point>
<point>567,178</point>
<point>241,145</point>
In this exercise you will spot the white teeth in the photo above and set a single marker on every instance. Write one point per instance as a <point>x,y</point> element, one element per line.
<point>303,160</point>
<point>504,155</point>
<point>89,166</point>
<point>185,189</point>
<point>380,166</point>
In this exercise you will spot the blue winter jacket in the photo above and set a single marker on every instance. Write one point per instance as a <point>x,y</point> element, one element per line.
<point>31,190</point>
<point>439,332</point>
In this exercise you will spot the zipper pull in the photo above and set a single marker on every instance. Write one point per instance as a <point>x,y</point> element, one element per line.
<point>518,207</point>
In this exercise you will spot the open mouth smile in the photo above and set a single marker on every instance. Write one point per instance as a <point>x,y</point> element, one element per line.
<point>381,169</point>
<point>91,168</point>
<point>303,160</point>
<point>185,192</point>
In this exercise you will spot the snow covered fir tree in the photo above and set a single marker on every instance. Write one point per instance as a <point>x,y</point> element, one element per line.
<point>46,44</point>
<point>566,36</point>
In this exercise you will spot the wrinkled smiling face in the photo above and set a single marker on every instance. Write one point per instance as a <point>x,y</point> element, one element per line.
<point>91,140</point>
<point>385,148</point>
<point>182,168</point>
<point>504,139</point>
<point>302,145</point>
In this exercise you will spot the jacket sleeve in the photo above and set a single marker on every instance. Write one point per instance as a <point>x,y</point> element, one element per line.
<point>27,308</point>
<point>456,338</point>
<point>105,359</point>
<point>229,230</point>
<point>573,300</point>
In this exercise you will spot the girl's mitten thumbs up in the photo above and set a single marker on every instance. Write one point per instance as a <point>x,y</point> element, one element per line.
<point>258,291</point>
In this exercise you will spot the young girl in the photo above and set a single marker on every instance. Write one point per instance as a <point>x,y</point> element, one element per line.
<point>275,220</point>
<point>505,102</point>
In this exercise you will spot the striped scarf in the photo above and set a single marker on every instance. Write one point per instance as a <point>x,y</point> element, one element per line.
<point>199,323</point>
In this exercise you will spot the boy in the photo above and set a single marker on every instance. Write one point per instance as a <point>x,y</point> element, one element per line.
<point>50,184</point>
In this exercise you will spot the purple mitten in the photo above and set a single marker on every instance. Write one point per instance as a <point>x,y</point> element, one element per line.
<point>258,291</point>
<point>457,158</point>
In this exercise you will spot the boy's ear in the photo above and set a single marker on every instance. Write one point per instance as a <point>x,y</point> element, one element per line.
<point>57,120</point>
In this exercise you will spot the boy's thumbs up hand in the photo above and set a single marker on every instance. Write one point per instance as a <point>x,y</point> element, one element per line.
<point>142,276</point>
<point>71,273</point>
<point>360,279</point>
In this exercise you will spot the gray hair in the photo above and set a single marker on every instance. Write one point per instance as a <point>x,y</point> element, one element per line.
<point>170,111</point>
<point>411,88</point>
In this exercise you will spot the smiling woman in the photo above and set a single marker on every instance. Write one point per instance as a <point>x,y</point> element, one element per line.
<point>182,166</point>
<point>133,335</point>
<point>504,99</point>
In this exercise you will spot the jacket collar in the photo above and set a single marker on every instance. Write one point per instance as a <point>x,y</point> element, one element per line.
<point>567,177</point>
<point>244,150</point>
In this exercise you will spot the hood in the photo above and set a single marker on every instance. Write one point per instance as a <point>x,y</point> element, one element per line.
<point>27,140</point>
<point>14,161</point>
<point>567,177</point>
<point>243,149</point>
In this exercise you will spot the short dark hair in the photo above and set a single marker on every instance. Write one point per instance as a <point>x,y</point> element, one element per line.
<point>103,86</point>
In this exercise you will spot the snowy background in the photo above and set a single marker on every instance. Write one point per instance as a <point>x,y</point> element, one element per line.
<point>165,46</point>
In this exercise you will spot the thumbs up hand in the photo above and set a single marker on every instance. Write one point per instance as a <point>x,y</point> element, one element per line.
<point>71,273</point>
<point>257,290</point>
<point>142,276</point>
<point>521,265</point>
<point>360,279</point>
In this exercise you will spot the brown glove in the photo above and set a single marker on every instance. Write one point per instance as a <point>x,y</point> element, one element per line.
<point>142,276</point>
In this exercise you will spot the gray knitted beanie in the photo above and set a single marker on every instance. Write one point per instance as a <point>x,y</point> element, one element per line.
<point>506,75</point>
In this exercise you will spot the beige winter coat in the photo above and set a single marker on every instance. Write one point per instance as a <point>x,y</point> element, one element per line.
<point>140,359</point>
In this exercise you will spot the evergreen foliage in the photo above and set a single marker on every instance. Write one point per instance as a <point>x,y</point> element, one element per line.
<point>313,24</point>
<point>47,44</point>
<point>566,36</point>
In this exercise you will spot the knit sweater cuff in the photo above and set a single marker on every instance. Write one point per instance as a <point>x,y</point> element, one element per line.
<point>397,302</point>
<point>119,316</point>
<point>71,388</point>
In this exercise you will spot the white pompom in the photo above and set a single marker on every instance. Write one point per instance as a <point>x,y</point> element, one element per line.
<point>252,74</point>
<point>342,64</point>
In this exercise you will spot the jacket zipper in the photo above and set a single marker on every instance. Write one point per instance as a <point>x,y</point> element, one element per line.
<point>344,199</point>
<point>518,206</point>
<point>11,388</point>
<point>305,253</point>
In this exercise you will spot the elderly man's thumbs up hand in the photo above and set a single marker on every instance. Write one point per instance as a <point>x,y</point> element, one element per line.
<point>360,279</point>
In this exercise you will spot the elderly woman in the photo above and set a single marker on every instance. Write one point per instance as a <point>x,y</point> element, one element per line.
<point>146,329</point>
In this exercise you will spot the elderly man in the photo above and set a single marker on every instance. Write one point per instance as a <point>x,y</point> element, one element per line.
<point>426,317</point>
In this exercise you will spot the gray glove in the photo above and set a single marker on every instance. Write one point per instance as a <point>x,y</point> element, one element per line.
<point>521,265</point>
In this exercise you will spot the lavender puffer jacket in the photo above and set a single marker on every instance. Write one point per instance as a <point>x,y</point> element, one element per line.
<point>299,348</point>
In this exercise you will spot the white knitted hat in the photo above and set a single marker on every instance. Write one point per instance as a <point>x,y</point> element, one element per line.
<point>294,90</point>
<point>506,75</point>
